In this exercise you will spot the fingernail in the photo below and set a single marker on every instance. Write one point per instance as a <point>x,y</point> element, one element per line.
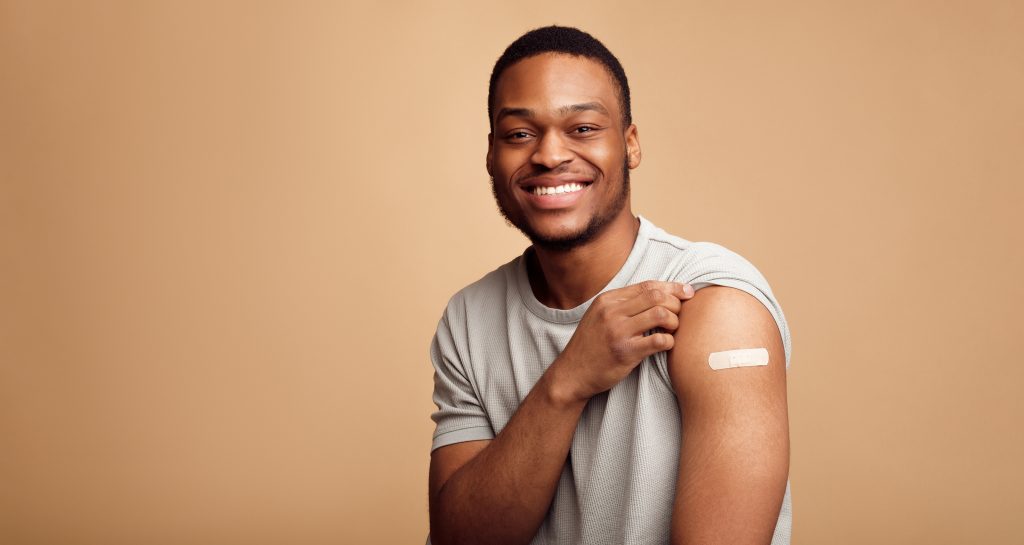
<point>688,290</point>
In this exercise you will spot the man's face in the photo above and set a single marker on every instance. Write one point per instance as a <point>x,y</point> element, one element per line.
<point>559,156</point>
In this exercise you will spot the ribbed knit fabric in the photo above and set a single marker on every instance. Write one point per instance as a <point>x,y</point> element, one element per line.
<point>496,339</point>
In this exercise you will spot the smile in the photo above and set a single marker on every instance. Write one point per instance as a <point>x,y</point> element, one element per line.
<point>557,190</point>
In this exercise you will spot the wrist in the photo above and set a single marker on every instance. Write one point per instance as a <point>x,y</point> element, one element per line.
<point>560,391</point>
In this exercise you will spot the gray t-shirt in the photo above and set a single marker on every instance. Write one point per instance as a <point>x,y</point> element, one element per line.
<point>496,339</point>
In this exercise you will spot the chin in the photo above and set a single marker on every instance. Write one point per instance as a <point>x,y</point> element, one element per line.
<point>564,237</point>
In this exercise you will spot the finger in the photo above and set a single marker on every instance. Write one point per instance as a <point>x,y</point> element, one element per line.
<point>651,344</point>
<point>679,289</point>
<point>650,298</point>
<point>651,318</point>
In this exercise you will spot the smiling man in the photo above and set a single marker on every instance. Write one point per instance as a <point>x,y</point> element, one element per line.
<point>614,383</point>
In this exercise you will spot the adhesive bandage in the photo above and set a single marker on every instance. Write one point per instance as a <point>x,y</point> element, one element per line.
<point>744,357</point>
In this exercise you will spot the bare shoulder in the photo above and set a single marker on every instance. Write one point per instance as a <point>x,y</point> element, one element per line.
<point>722,319</point>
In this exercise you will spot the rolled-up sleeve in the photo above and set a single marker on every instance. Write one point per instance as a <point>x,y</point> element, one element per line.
<point>715,265</point>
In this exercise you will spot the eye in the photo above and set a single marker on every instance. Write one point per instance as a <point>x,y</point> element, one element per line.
<point>517,136</point>
<point>585,130</point>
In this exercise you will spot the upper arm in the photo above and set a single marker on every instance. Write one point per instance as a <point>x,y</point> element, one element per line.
<point>463,428</point>
<point>734,458</point>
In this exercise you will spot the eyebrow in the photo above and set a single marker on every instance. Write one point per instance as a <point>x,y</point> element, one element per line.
<point>563,111</point>
<point>585,107</point>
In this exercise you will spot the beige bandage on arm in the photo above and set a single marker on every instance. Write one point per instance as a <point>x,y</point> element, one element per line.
<point>744,357</point>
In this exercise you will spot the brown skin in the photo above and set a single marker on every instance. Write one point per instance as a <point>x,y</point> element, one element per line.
<point>734,458</point>
<point>534,137</point>
<point>499,491</point>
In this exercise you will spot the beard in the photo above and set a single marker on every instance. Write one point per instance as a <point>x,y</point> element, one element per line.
<point>570,241</point>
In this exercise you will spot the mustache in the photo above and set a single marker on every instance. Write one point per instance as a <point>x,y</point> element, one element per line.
<point>561,170</point>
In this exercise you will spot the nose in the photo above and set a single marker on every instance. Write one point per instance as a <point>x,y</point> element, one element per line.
<point>551,151</point>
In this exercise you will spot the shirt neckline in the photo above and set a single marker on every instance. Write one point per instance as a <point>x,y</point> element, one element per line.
<point>568,316</point>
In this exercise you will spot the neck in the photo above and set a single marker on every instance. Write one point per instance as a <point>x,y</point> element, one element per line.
<point>565,280</point>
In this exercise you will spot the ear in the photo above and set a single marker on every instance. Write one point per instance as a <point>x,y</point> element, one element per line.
<point>490,154</point>
<point>633,153</point>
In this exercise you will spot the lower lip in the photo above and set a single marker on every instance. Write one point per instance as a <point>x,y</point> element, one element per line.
<point>556,200</point>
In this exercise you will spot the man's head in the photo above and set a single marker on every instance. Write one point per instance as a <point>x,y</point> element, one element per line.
<point>562,141</point>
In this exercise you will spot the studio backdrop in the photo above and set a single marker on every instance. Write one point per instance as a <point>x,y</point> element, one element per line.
<point>228,231</point>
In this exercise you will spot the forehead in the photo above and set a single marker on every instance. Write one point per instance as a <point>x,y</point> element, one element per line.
<point>553,80</point>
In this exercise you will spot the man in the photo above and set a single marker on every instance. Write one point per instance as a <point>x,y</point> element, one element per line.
<point>586,394</point>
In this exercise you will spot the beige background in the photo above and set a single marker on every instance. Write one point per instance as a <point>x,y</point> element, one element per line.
<point>227,232</point>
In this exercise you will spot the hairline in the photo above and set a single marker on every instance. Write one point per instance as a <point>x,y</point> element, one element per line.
<point>620,94</point>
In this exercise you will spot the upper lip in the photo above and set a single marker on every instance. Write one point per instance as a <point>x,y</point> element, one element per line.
<point>553,181</point>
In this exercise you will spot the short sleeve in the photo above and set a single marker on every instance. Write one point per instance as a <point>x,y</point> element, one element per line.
<point>459,416</point>
<point>712,264</point>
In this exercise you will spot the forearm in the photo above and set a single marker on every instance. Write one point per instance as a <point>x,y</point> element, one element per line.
<point>502,495</point>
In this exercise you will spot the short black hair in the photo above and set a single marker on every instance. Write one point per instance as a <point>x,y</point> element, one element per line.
<point>566,40</point>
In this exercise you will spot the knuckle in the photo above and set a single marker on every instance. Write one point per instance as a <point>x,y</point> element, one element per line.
<point>656,296</point>
<point>610,336</point>
<point>619,350</point>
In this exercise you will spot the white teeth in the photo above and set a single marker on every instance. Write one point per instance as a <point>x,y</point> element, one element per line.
<point>566,188</point>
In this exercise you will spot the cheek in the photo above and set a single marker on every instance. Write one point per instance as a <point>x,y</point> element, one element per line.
<point>507,164</point>
<point>609,150</point>
<point>608,159</point>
